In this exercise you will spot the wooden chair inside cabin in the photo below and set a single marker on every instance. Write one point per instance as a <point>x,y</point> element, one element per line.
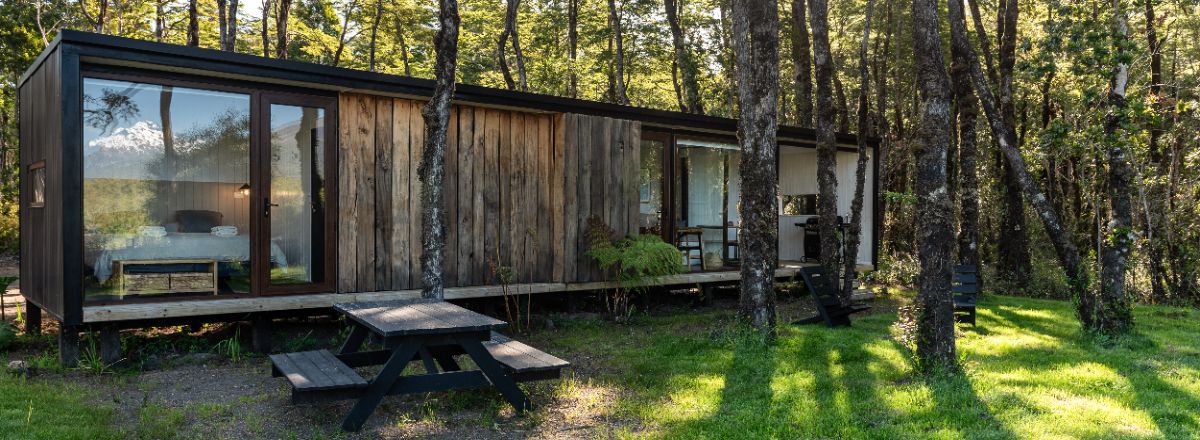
<point>830,309</point>
<point>691,242</point>
<point>965,287</point>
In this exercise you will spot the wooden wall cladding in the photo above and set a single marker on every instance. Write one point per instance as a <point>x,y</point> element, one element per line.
<point>519,188</point>
<point>42,239</point>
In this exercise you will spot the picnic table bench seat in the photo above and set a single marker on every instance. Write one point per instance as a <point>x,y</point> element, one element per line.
<point>317,370</point>
<point>321,372</point>
<point>965,288</point>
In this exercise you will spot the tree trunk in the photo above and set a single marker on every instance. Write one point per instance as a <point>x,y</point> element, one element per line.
<point>160,20</point>
<point>403,44</point>
<point>193,29</point>
<point>684,59</point>
<point>510,30</point>
<point>231,27</point>
<point>375,34</point>
<point>433,158</point>
<point>1013,245</point>
<point>266,34</point>
<point>843,109</point>
<point>281,28</point>
<point>1114,314</point>
<point>341,47</point>
<point>756,43</point>
<point>222,30</point>
<point>935,318</point>
<point>854,235</point>
<point>1064,246</point>
<point>985,45</point>
<point>802,63</point>
<point>826,139</point>
<point>618,73</point>
<point>102,15</point>
<point>573,50</point>
<point>1154,206</point>
<point>968,113</point>
<point>730,66</point>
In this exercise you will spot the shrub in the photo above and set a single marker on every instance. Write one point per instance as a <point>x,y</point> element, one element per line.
<point>633,262</point>
<point>10,241</point>
<point>8,334</point>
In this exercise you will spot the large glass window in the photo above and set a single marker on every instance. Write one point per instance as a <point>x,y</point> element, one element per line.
<point>650,187</point>
<point>166,190</point>
<point>707,195</point>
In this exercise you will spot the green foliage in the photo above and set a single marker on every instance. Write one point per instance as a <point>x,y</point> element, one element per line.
<point>8,334</point>
<point>10,229</point>
<point>231,347</point>
<point>634,262</point>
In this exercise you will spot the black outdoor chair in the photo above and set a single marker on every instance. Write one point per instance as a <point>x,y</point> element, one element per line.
<point>966,288</point>
<point>830,309</point>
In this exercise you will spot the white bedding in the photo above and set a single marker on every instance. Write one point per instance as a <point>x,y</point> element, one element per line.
<point>183,246</point>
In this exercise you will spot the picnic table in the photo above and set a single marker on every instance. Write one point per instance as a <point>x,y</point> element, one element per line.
<point>430,331</point>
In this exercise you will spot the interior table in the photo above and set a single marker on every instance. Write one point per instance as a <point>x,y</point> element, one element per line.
<point>429,330</point>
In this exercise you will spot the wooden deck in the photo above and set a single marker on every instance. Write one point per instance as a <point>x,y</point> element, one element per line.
<point>202,307</point>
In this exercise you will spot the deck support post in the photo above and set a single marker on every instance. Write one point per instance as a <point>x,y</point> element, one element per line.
<point>706,294</point>
<point>110,345</point>
<point>33,319</point>
<point>573,302</point>
<point>68,346</point>
<point>260,333</point>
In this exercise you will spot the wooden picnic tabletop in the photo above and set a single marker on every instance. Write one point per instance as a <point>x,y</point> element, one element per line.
<point>417,317</point>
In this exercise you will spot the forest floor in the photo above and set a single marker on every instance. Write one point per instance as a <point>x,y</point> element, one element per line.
<point>679,372</point>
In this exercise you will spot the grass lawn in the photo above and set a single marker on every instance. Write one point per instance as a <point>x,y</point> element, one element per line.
<point>694,374</point>
<point>1029,374</point>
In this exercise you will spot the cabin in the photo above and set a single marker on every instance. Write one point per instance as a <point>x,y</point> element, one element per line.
<point>166,184</point>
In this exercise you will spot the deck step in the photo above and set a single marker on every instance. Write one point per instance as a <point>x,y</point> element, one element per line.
<point>316,370</point>
<point>523,359</point>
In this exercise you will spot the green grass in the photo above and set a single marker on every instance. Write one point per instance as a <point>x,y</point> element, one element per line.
<point>36,410</point>
<point>1028,374</point>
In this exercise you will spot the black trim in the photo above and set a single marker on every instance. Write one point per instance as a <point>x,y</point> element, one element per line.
<point>72,185</point>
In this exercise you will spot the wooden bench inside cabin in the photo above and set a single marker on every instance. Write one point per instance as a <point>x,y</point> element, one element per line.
<point>321,375</point>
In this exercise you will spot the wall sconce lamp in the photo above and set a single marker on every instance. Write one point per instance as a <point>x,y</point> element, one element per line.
<point>242,191</point>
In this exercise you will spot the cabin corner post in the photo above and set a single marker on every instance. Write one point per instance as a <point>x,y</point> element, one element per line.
<point>72,186</point>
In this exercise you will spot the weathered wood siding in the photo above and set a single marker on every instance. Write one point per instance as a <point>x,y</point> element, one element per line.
<point>40,113</point>
<point>519,189</point>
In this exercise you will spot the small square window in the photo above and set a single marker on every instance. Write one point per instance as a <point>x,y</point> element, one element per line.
<point>37,176</point>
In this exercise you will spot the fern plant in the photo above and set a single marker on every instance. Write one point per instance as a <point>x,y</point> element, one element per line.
<point>634,262</point>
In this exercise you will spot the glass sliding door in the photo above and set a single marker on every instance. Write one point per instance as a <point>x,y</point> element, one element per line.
<point>650,183</point>
<point>296,201</point>
<point>706,196</point>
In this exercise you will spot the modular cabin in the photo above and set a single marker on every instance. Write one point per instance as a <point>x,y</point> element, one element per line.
<point>163,183</point>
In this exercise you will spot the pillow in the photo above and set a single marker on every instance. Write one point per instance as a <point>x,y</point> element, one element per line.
<point>197,220</point>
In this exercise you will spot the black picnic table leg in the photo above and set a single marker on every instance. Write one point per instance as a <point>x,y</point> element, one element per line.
<point>358,334</point>
<point>427,360</point>
<point>380,385</point>
<point>495,373</point>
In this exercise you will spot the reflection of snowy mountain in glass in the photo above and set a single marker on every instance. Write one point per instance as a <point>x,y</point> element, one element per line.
<point>126,153</point>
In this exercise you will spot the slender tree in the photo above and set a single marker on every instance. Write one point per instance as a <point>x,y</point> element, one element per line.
<point>193,27</point>
<point>375,34</point>
<point>433,159</point>
<point>573,47</point>
<point>1114,314</point>
<point>826,138</point>
<point>344,32</point>
<point>281,28</point>
<point>1013,246</point>
<point>756,43</point>
<point>1154,204</point>
<point>802,66</point>
<point>402,42</point>
<point>854,235</point>
<point>684,59</point>
<point>265,28</point>
<point>510,32</point>
<point>617,74</point>
<point>935,318</point>
<point>968,114</point>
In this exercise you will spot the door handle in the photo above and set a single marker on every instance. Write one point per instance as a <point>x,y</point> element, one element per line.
<point>267,207</point>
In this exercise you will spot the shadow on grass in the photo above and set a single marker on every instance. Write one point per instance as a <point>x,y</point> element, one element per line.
<point>1172,410</point>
